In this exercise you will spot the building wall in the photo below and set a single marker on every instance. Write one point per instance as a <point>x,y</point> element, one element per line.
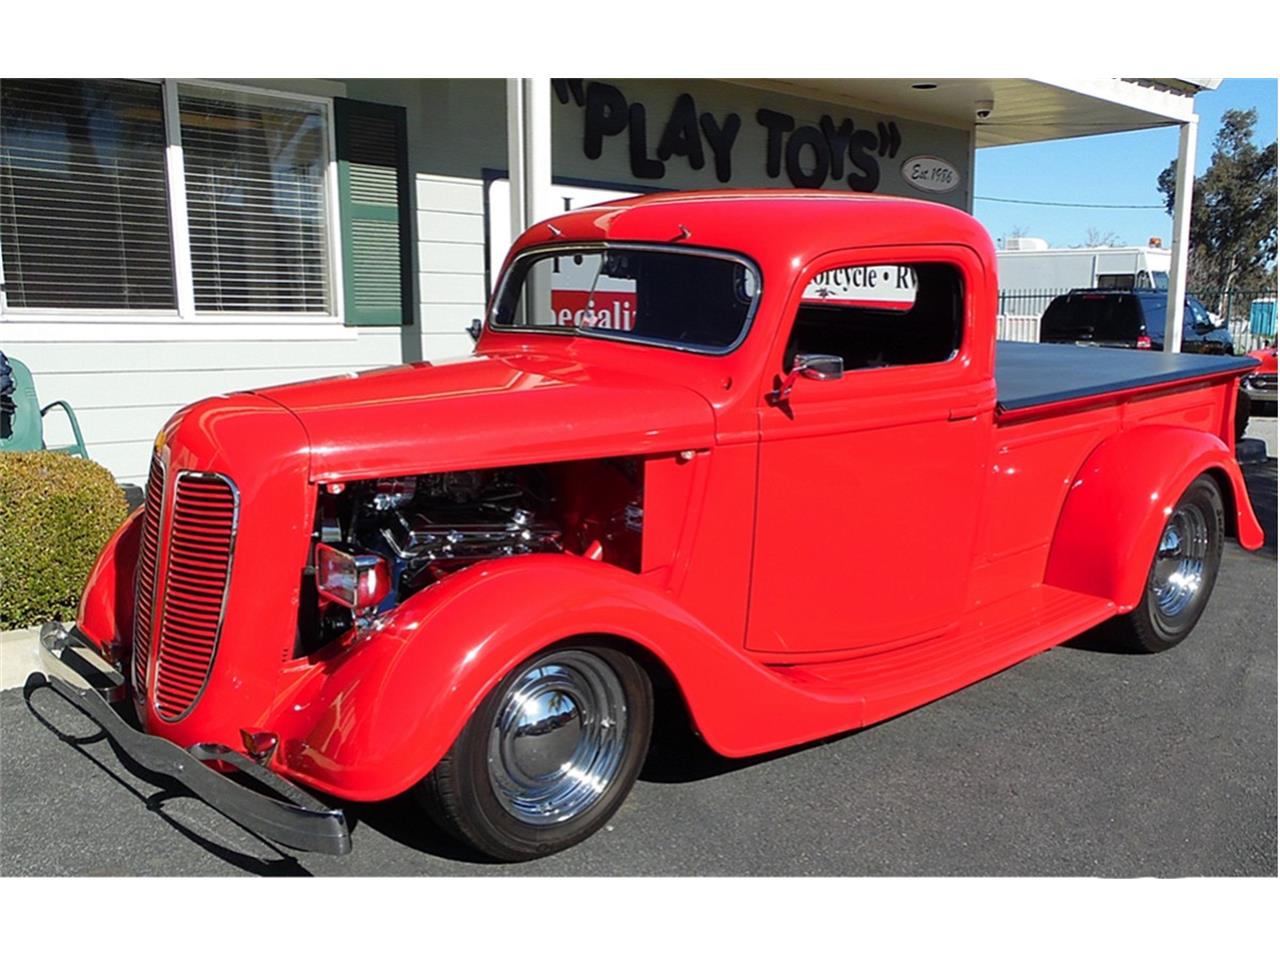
<point>125,378</point>
<point>124,391</point>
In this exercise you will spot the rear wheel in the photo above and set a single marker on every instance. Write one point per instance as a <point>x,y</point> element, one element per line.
<point>549,756</point>
<point>1182,573</point>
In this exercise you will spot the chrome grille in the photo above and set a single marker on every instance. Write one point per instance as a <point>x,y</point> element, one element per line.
<point>198,568</point>
<point>144,595</point>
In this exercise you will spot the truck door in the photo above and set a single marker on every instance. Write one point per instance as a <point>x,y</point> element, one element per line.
<point>869,485</point>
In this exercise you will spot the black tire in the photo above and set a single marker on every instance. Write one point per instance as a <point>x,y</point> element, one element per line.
<point>1168,613</point>
<point>464,794</point>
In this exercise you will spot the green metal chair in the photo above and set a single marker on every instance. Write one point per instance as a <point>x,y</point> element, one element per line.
<point>26,424</point>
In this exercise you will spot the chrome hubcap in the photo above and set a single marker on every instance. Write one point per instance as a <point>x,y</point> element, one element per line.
<point>1178,572</point>
<point>558,739</point>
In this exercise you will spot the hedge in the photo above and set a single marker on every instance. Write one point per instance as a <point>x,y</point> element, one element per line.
<point>56,513</point>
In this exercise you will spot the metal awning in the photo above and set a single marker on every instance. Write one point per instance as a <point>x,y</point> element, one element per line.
<point>1026,110</point>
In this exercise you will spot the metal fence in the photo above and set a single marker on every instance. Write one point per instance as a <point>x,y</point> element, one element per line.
<point>1250,314</point>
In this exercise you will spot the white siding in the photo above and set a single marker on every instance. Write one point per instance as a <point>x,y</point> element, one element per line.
<point>126,377</point>
<point>451,261</point>
<point>124,392</point>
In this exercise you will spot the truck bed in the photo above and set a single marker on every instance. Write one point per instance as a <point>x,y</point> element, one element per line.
<point>1037,374</point>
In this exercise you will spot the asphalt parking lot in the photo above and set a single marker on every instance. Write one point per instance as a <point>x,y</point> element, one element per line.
<point>1076,762</point>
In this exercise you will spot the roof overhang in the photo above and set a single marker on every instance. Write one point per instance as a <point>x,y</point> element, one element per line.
<point>1027,110</point>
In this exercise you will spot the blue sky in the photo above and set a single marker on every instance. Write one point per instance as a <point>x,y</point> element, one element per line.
<point>1115,168</point>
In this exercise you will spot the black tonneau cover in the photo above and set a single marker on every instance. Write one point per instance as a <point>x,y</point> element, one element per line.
<point>1034,374</point>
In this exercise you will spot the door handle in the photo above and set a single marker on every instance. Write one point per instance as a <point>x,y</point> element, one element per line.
<point>965,413</point>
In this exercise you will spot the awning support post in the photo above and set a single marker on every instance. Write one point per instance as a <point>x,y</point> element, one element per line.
<point>1184,183</point>
<point>529,151</point>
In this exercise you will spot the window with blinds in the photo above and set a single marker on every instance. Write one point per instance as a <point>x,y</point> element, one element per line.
<point>84,214</point>
<point>255,182</point>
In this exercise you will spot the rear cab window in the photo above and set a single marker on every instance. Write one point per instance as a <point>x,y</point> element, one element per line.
<point>885,315</point>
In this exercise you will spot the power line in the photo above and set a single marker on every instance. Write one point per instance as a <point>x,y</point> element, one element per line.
<point>1091,206</point>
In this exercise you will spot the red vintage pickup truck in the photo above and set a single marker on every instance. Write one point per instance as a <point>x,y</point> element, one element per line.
<point>759,451</point>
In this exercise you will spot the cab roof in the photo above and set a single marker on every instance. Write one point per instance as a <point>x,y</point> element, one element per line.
<point>778,225</point>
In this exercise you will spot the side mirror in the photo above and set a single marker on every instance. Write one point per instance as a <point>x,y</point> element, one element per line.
<point>818,366</point>
<point>811,366</point>
<point>474,328</point>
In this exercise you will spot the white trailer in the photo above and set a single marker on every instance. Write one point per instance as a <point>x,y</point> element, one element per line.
<point>1034,266</point>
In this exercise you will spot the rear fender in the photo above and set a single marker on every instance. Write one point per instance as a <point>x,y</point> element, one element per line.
<point>388,710</point>
<point>105,614</point>
<point>1119,502</point>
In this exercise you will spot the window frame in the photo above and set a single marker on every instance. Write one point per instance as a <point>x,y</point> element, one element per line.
<point>185,322</point>
<point>113,315</point>
<point>905,379</point>
<point>863,260</point>
<point>599,247</point>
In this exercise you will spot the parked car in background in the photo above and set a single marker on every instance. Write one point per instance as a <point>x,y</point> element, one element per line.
<point>1260,385</point>
<point>1132,319</point>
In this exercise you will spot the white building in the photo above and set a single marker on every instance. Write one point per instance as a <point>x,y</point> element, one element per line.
<point>162,241</point>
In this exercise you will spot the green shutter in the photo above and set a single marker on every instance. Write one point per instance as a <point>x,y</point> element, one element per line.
<point>373,205</point>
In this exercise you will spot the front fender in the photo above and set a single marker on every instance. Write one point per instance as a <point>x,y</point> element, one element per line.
<point>1119,501</point>
<point>384,713</point>
<point>105,614</point>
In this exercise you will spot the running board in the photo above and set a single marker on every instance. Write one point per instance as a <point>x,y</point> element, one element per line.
<point>879,686</point>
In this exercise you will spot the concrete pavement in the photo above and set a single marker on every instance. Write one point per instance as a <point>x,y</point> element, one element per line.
<point>1076,762</point>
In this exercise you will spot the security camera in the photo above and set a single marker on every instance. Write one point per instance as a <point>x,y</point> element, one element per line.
<point>983,109</point>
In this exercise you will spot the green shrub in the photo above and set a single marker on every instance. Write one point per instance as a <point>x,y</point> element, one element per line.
<point>56,513</point>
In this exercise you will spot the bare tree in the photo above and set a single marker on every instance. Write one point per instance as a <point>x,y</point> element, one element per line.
<point>1094,237</point>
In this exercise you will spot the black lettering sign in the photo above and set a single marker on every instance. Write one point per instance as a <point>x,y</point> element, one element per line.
<point>837,142</point>
<point>681,137</point>
<point>642,165</point>
<point>777,124</point>
<point>721,139</point>
<point>812,156</point>
<point>606,115</point>
<point>817,175</point>
<point>865,175</point>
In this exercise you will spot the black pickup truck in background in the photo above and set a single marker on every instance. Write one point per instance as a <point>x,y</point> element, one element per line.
<point>1132,319</point>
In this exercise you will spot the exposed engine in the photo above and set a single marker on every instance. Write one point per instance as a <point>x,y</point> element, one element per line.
<point>430,525</point>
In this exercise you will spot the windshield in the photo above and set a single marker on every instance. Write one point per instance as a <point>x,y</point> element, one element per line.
<point>1161,279</point>
<point>690,300</point>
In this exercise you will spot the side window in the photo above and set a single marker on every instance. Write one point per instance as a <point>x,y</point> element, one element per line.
<point>881,316</point>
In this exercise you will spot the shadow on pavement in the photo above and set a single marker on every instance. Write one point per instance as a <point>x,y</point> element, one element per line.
<point>168,789</point>
<point>1260,478</point>
<point>402,821</point>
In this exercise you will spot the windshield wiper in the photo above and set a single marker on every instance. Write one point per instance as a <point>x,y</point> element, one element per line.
<point>583,326</point>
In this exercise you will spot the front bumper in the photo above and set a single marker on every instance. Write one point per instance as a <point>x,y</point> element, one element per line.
<point>292,818</point>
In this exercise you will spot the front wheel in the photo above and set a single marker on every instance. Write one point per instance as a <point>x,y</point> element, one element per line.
<point>550,755</point>
<point>1182,573</point>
